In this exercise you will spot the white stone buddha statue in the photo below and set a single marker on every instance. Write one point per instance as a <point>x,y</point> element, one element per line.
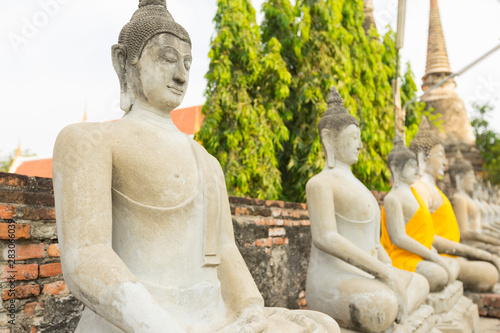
<point>407,226</point>
<point>478,268</point>
<point>143,216</point>
<point>350,276</point>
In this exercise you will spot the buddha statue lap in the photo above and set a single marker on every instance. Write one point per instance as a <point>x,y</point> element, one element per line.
<point>143,217</point>
<point>478,268</point>
<point>350,276</point>
<point>407,226</point>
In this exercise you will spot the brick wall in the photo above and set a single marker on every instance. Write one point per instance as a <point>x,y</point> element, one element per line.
<point>273,237</point>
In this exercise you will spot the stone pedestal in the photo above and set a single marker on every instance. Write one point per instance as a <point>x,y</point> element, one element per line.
<point>488,303</point>
<point>454,312</point>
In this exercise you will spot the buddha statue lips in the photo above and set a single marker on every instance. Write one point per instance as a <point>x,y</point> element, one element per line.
<point>143,217</point>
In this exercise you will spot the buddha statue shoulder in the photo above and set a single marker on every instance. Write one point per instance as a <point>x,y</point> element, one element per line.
<point>350,276</point>
<point>143,216</point>
<point>407,226</point>
<point>448,231</point>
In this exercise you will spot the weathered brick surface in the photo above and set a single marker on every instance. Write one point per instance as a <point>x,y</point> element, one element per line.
<point>27,198</point>
<point>20,272</point>
<point>56,288</point>
<point>7,211</point>
<point>21,230</point>
<point>27,251</point>
<point>50,269</point>
<point>36,214</point>
<point>20,292</point>
<point>13,180</point>
<point>53,250</point>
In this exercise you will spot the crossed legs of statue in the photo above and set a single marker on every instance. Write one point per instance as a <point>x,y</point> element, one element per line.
<point>363,304</point>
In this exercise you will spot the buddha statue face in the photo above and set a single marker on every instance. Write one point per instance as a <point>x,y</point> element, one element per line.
<point>435,161</point>
<point>347,145</point>
<point>468,181</point>
<point>409,173</point>
<point>160,77</point>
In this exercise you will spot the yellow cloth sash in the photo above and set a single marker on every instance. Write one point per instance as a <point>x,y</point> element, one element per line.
<point>420,228</point>
<point>445,222</point>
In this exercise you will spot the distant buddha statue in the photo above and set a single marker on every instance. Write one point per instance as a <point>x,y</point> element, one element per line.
<point>143,216</point>
<point>466,210</point>
<point>350,276</point>
<point>407,226</point>
<point>476,269</point>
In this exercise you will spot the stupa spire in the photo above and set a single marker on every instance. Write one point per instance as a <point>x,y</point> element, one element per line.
<point>437,57</point>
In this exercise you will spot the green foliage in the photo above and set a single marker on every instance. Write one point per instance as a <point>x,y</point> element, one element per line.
<point>267,91</point>
<point>487,141</point>
<point>247,85</point>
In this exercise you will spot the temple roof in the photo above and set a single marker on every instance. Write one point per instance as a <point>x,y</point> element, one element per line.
<point>437,57</point>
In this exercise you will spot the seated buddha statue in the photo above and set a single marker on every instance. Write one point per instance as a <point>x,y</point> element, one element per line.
<point>350,276</point>
<point>466,210</point>
<point>479,197</point>
<point>143,216</point>
<point>478,268</point>
<point>407,227</point>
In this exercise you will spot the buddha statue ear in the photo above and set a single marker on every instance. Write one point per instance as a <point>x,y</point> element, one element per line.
<point>119,56</point>
<point>421,163</point>
<point>328,147</point>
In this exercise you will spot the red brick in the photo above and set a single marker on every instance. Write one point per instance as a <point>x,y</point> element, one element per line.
<point>271,203</point>
<point>260,221</point>
<point>56,288</point>
<point>280,241</point>
<point>37,214</point>
<point>302,294</point>
<point>264,242</point>
<point>302,302</point>
<point>4,330</point>
<point>33,329</point>
<point>10,179</point>
<point>50,269</point>
<point>30,251</point>
<point>494,313</point>
<point>22,272</point>
<point>491,300</point>
<point>7,212</point>
<point>27,198</point>
<point>29,309</point>
<point>53,250</point>
<point>31,290</point>
<point>483,312</point>
<point>305,223</point>
<point>273,232</point>
<point>22,230</point>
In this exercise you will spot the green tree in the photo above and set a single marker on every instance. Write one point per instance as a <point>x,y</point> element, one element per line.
<point>324,44</point>
<point>487,141</point>
<point>247,86</point>
<point>6,160</point>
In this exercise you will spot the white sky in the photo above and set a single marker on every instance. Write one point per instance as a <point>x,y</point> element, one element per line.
<point>65,61</point>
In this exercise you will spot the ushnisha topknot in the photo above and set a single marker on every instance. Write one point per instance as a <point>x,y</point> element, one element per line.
<point>150,19</point>
<point>336,116</point>
<point>460,167</point>
<point>426,138</point>
<point>400,154</point>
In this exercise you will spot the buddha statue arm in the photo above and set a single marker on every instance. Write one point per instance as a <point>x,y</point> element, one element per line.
<point>396,229</point>
<point>95,274</point>
<point>240,294</point>
<point>447,246</point>
<point>461,209</point>
<point>325,237</point>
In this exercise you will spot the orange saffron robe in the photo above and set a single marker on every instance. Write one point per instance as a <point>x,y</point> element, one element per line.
<point>420,228</point>
<point>445,222</point>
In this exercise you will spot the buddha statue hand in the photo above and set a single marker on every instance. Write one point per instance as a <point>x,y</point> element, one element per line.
<point>398,281</point>
<point>446,265</point>
<point>251,320</point>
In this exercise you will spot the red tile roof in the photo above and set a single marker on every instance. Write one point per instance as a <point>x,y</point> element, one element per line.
<point>188,120</point>
<point>38,167</point>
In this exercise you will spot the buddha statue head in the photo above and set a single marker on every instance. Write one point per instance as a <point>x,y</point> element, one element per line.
<point>152,58</point>
<point>339,132</point>
<point>462,174</point>
<point>429,149</point>
<point>402,162</point>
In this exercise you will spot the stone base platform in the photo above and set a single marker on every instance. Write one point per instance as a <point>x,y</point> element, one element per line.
<point>454,312</point>
<point>488,304</point>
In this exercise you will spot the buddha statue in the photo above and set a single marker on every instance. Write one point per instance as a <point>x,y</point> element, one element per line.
<point>143,216</point>
<point>478,268</point>
<point>466,210</point>
<point>479,197</point>
<point>407,227</point>
<point>350,276</point>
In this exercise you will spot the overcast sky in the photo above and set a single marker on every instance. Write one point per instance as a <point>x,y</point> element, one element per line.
<point>56,59</point>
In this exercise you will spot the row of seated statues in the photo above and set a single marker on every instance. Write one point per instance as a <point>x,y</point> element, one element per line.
<point>145,228</point>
